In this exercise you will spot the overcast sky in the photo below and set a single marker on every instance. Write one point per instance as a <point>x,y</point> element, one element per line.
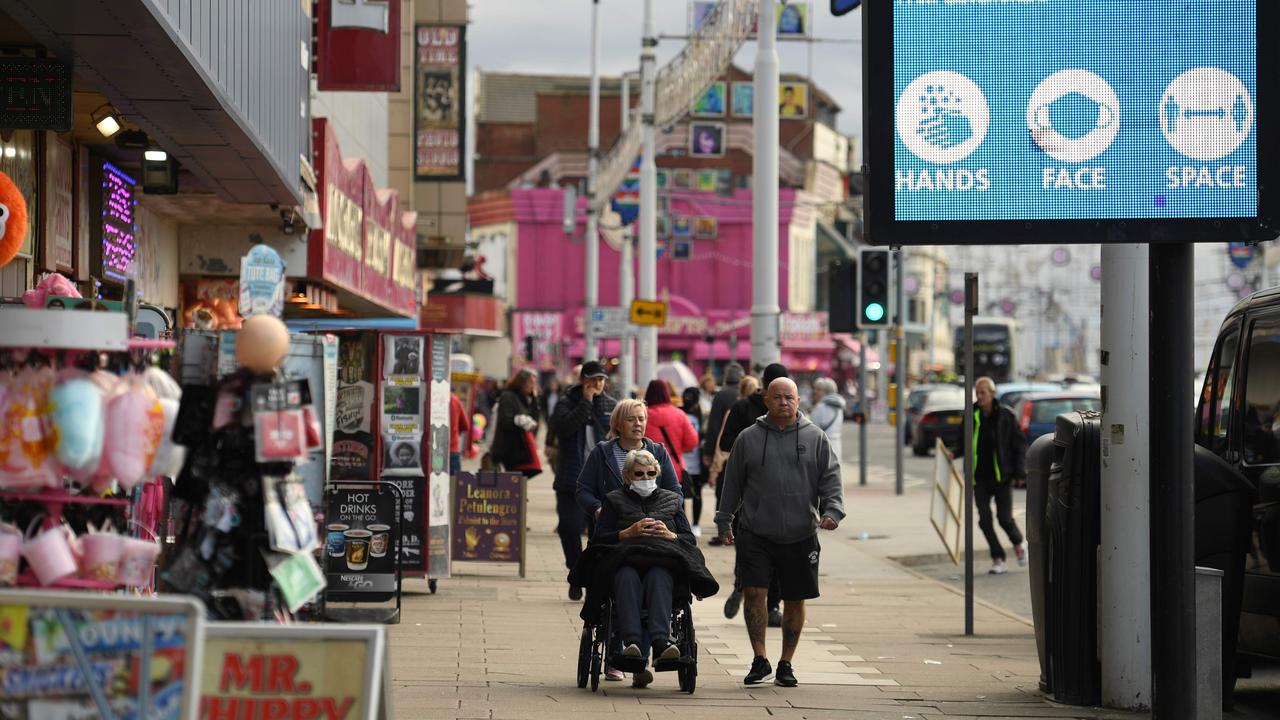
<point>553,36</point>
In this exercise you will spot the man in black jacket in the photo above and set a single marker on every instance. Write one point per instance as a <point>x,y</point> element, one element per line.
<point>580,420</point>
<point>999,459</point>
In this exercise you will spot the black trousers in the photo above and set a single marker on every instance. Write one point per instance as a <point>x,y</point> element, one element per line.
<point>570,527</point>
<point>984,492</point>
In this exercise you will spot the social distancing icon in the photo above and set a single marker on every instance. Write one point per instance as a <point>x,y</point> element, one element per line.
<point>1206,113</point>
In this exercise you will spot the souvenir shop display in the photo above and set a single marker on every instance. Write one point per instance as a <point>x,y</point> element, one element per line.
<point>81,449</point>
<point>246,531</point>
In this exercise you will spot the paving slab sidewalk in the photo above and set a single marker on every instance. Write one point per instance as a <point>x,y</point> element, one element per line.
<point>882,642</point>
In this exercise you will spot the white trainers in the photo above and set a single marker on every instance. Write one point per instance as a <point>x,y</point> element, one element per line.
<point>697,531</point>
<point>1021,551</point>
<point>631,651</point>
<point>998,568</point>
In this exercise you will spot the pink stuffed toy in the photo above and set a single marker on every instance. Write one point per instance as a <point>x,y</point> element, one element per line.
<point>53,284</point>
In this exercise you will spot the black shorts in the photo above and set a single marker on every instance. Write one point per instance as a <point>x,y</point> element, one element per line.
<point>795,565</point>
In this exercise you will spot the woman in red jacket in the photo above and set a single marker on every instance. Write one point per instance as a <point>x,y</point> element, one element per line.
<point>669,425</point>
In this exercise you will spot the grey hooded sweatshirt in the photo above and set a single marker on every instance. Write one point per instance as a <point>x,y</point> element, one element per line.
<point>781,481</point>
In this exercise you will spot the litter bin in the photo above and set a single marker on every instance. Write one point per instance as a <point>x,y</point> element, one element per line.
<point>1072,532</point>
<point>1224,523</point>
<point>1039,460</point>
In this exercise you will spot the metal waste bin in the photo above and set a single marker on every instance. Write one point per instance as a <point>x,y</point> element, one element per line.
<point>1039,460</point>
<point>1072,533</point>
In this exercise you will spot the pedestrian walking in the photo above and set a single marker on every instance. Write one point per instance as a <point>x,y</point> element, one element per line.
<point>458,425</point>
<point>828,413</point>
<point>669,426</point>
<point>720,404</point>
<point>999,460</point>
<point>580,421</point>
<point>513,445</point>
<point>602,472</point>
<point>693,459</point>
<point>782,483</point>
<point>742,415</point>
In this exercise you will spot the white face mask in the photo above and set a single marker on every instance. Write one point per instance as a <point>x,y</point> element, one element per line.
<point>644,488</point>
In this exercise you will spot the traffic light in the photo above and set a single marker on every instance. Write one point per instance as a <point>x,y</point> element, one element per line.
<point>873,287</point>
<point>528,348</point>
<point>842,279</point>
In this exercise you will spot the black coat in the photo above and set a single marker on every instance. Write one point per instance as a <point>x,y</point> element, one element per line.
<point>1011,445</point>
<point>596,568</point>
<point>741,416</point>
<point>509,445</point>
<point>569,423</point>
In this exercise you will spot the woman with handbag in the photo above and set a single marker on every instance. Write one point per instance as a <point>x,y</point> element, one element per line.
<point>514,448</point>
<point>669,426</point>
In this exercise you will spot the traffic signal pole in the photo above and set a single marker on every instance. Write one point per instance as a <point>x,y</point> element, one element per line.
<point>900,373</point>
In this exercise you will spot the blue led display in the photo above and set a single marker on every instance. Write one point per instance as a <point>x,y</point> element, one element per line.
<point>1074,109</point>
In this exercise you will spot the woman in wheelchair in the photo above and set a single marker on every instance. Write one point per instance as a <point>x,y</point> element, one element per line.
<point>640,509</point>
<point>641,547</point>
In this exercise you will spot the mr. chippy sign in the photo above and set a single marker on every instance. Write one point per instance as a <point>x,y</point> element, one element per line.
<point>256,672</point>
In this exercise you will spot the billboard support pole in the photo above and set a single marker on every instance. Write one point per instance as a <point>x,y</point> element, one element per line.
<point>1124,612</point>
<point>1172,507</point>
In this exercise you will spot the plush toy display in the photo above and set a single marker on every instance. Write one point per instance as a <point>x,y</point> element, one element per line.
<point>13,219</point>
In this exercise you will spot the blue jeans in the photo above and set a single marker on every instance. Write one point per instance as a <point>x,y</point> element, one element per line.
<point>635,589</point>
<point>455,463</point>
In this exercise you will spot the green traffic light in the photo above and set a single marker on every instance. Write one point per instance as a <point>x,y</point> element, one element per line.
<point>874,312</point>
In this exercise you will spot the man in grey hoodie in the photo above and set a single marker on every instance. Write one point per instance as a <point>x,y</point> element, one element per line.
<point>785,480</point>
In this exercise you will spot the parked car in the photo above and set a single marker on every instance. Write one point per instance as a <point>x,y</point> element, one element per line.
<point>1008,394</point>
<point>915,401</point>
<point>941,416</point>
<point>1238,419</point>
<point>1037,413</point>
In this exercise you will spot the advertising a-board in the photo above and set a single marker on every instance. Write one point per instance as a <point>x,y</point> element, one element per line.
<point>360,544</point>
<point>488,517</point>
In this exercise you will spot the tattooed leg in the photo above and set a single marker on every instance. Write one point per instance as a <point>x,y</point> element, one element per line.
<point>792,624</point>
<point>756,613</point>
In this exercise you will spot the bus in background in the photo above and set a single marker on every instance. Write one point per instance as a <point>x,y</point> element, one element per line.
<point>994,348</point>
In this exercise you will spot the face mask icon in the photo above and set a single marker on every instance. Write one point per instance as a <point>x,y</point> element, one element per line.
<point>1073,115</point>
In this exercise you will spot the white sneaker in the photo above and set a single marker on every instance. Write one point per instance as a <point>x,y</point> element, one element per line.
<point>1021,551</point>
<point>998,568</point>
<point>631,651</point>
<point>697,531</point>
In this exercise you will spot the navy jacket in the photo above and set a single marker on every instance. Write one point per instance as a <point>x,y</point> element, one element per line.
<point>569,421</point>
<point>601,475</point>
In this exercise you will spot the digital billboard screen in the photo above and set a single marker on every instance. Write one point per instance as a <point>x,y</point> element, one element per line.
<point>1027,120</point>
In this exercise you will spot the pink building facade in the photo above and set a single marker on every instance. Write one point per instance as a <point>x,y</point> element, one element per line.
<point>703,273</point>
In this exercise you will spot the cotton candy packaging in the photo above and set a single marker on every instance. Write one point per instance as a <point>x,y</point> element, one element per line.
<point>26,459</point>
<point>135,422</point>
<point>169,455</point>
<point>76,416</point>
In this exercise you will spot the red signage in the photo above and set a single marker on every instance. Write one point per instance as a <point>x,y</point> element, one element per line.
<point>361,247</point>
<point>358,45</point>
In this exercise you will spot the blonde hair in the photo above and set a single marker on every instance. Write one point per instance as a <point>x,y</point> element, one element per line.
<point>638,457</point>
<point>748,386</point>
<point>984,380</point>
<point>620,411</point>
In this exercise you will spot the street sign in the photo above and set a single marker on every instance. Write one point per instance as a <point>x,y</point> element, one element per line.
<point>610,322</point>
<point>648,312</point>
<point>1075,142</point>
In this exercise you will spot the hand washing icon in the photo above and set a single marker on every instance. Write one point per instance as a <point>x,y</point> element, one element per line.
<point>942,117</point>
<point>1073,115</point>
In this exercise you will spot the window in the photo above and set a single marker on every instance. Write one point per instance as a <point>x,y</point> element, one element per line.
<point>1260,415</point>
<point>1215,403</point>
<point>1047,411</point>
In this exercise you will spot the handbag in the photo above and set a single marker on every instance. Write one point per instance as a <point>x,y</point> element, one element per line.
<point>717,460</point>
<point>534,465</point>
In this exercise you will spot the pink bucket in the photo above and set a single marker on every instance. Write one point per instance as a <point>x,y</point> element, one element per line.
<point>10,550</point>
<point>137,561</point>
<point>50,554</point>
<point>102,553</point>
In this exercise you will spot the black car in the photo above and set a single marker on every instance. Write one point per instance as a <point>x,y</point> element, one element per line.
<point>941,416</point>
<point>1238,419</point>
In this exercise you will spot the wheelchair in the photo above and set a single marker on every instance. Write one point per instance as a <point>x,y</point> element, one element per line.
<point>597,642</point>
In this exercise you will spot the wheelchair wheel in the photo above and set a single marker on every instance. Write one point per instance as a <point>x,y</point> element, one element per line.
<point>688,678</point>
<point>584,657</point>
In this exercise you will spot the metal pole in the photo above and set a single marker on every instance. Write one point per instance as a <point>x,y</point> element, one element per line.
<point>626,291</point>
<point>900,373</point>
<point>624,96</point>
<point>646,364</point>
<point>592,240</point>
<point>970,309</point>
<point>764,206</point>
<point>1124,580</point>
<point>866,410</point>
<point>1173,606</point>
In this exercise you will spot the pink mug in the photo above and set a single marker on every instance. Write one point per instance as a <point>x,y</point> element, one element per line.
<point>137,561</point>
<point>10,551</point>
<point>50,554</point>
<point>101,558</point>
